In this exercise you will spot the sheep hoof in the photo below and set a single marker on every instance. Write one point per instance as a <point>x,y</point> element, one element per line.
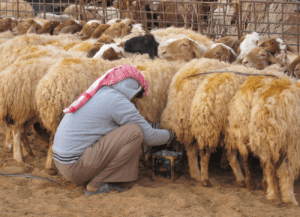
<point>241,183</point>
<point>251,184</point>
<point>206,183</point>
<point>51,172</point>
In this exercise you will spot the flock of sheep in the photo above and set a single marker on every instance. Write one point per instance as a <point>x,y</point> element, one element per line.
<point>242,94</point>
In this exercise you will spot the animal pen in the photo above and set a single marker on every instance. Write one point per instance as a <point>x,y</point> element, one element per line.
<point>212,18</point>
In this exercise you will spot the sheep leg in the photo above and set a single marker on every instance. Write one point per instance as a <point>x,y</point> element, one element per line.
<point>286,183</point>
<point>26,150</point>
<point>250,183</point>
<point>270,178</point>
<point>234,163</point>
<point>224,164</point>
<point>192,155</point>
<point>17,147</point>
<point>49,161</point>
<point>9,139</point>
<point>205,156</point>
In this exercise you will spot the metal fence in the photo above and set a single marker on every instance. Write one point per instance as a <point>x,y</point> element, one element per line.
<point>213,18</point>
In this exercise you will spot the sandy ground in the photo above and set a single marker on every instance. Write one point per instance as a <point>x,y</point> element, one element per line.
<point>185,197</point>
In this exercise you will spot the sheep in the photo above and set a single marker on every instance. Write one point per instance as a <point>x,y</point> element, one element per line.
<point>119,30</point>
<point>259,58</point>
<point>221,52</point>
<point>52,98</point>
<point>74,11</point>
<point>293,68</point>
<point>5,36</point>
<point>163,35</point>
<point>185,48</point>
<point>142,44</point>
<point>248,42</point>
<point>24,11</point>
<point>239,119</point>
<point>22,45</point>
<point>104,39</point>
<point>69,26</point>
<point>113,51</point>
<point>50,16</point>
<point>18,110</point>
<point>89,29</point>
<point>99,31</point>
<point>7,23</point>
<point>278,48</point>
<point>176,115</point>
<point>230,42</point>
<point>274,132</point>
<point>49,27</point>
<point>28,26</point>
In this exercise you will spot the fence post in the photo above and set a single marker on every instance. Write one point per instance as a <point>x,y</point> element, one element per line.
<point>76,10</point>
<point>44,5</point>
<point>298,27</point>
<point>17,9</point>
<point>241,19</point>
<point>238,21</point>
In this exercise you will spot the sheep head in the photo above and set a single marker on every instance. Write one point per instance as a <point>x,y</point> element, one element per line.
<point>230,42</point>
<point>28,26</point>
<point>49,27</point>
<point>71,26</point>
<point>259,58</point>
<point>220,52</point>
<point>7,23</point>
<point>104,39</point>
<point>142,44</point>
<point>100,30</point>
<point>185,49</point>
<point>89,29</point>
<point>118,30</point>
<point>294,68</point>
<point>110,52</point>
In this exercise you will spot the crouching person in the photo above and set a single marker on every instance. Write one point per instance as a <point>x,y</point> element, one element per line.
<point>99,139</point>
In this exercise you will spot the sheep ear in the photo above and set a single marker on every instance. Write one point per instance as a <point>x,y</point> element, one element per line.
<point>263,44</point>
<point>290,48</point>
<point>69,29</point>
<point>122,44</point>
<point>240,60</point>
<point>31,30</point>
<point>271,59</point>
<point>13,25</point>
<point>197,50</point>
<point>229,43</point>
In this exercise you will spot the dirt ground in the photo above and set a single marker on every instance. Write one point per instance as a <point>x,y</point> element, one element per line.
<point>21,196</point>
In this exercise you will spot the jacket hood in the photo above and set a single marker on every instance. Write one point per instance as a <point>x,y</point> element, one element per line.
<point>128,87</point>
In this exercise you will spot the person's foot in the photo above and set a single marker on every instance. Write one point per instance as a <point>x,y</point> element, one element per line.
<point>90,188</point>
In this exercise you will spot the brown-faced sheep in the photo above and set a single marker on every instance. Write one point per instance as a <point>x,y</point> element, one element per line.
<point>99,31</point>
<point>28,26</point>
<point>185,49</point>
<point>49,27</point>
<point>220,52</point>
<point>104,39</point>
<point>69,26</point>
<point>248,42</point>
<point>89,29</point>
<point>294,68</point>
<point>259,58</point>
<point>8,23</point>
<point>230,41</point>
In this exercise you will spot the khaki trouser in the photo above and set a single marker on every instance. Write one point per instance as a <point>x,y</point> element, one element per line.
<point>113,158</point>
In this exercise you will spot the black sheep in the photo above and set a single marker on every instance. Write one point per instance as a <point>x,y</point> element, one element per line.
<point>142,44</point>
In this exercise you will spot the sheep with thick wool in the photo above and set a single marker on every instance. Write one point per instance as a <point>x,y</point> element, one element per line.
<point>239,119</point>
<point>18,83</point>
<point>274,137</point>
<point>176,115</point>
<point>70,77</point>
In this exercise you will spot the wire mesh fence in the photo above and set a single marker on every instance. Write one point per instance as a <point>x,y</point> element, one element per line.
<point>209,17</point>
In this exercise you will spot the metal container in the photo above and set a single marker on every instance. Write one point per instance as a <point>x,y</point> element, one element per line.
<point>167,165</point>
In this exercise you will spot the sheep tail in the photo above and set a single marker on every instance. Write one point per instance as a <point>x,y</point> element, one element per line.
<point>238,73</point>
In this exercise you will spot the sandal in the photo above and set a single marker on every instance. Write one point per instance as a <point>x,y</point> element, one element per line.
<point>105,187</point>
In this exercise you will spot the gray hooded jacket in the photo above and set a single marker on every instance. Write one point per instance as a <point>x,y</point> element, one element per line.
<point>107,110</point>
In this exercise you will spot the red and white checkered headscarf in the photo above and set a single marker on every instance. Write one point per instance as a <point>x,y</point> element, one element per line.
<point>111,77</point>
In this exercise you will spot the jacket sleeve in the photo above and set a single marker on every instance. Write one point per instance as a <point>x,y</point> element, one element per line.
<point>124,112</point>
